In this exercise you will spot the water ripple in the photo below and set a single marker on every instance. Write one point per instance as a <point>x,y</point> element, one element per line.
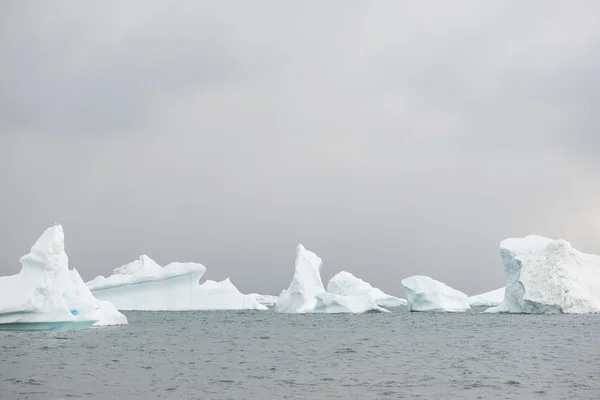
<point>251,355</point>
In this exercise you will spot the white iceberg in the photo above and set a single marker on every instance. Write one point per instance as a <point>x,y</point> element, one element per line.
<point>329,303</point>
<point>301,295</point>
<point>426,294</point>
<point>265,299</point>
<point>48,293</point>
<point>145,285</point>
<point>346,284</point>
<point>225,296</point>
<point>488,299</point>
<point>306,293</point>
<point>548,276</point>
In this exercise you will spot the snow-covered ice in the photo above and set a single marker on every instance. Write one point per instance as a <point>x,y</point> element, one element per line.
<point>46,291</point>
<point>146,270</point>
<point>488,299</point>
<point>306,293</point>
<point>330,303</point>
<point>426,294</point>
<point>548,276</point>
<point>265,299</point>
<point>145,285</point>
<point>346,284</point>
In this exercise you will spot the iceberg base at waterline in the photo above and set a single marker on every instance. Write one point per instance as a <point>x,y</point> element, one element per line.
<point>47,326</point>
<point>144,285</point>
<point>425,294</point>
<point>46,294</point>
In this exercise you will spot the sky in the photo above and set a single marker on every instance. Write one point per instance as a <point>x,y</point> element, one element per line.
<point>392,138</point>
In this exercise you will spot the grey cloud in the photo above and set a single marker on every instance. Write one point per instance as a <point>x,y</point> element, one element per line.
<point>392,139</point>
<point>104,75</point>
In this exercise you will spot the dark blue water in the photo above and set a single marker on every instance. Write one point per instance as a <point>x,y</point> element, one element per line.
<point>264,355</point>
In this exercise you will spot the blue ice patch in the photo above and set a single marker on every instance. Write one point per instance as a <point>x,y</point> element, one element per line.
<point>74,312</point>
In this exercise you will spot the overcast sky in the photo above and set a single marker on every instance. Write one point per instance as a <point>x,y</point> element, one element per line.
<point>392,138</point>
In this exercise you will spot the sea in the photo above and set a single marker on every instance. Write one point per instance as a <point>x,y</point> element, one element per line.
<point>266,355</point>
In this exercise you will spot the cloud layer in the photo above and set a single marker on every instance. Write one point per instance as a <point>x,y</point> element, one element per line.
<point>391,138</point>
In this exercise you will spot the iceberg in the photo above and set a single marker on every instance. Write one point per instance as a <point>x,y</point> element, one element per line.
<point>265,299</point>
<point>548,276</point>
<point>306,293</point>
<point>301,295</point>
<point>426,294</point>
<point>329,303</point>
<point>488,299</point>
<point>346,284</point>
<point>145,285</point>
<point>46,293</point>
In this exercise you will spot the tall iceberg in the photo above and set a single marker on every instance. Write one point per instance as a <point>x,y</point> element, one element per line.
<point>426,294</point>
<point>145,285</point>
<point>47,292</point>
<point>487,299</point>
<point>548,276</point>
<point>301,295</point>
<point>306,293</point>
<point>346,284</point>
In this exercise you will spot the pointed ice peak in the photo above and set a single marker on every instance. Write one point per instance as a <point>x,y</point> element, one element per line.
<point>48,252</point>
<point>51,241</point>
<point>304,255</point>
<point>45,290</point>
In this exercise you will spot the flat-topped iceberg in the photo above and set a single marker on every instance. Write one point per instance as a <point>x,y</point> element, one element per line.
<point>548,276</point>
<point>47,293</point>
<point>306,293</point>
<point>265,299</point>
<point>346,284</point>
<point>146,270</point>
<point>145,285</point>
<point>426,294</point>
<point>488,299</point>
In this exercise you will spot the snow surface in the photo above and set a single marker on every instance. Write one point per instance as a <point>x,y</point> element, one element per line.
<point>146,270</point>
<point>488,299</point>
<point>265,299</point>
<point>548,276</point>
<point>426,294</point>
<point>145,285</point>
<point>346,284</point>
<point>306,293</point>
<point>47,291</point>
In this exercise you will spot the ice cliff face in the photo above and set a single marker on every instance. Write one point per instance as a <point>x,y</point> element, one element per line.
<point>145,285</point>
<point>346,284</point>
<point>426,294</point>
<point>47,291</point>
<point>306,293</point>
<point>548,276</point>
